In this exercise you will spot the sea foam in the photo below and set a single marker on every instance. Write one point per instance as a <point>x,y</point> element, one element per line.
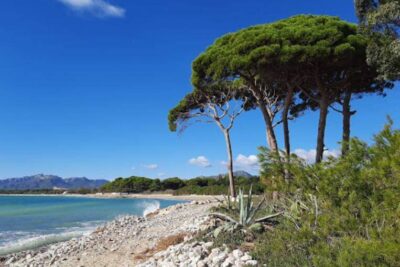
<point>36,242</point>
<point>150,206</point>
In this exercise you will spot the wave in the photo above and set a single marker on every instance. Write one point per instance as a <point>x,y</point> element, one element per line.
<point>150,206</point>
<point>30,241</point>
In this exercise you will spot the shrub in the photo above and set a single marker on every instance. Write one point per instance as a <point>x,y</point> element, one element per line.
<point>356,222</point>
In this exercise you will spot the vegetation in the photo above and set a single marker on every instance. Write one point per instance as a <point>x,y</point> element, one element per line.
<point>379,20</point>
<point>199,185</point>
<point>338,212</point>
<point>242,215</point>
<point>290,65</point>
<point>286,67</point>
<point>342,212</point>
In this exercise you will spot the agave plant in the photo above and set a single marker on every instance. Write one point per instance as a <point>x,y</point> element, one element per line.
<point>247,214</point>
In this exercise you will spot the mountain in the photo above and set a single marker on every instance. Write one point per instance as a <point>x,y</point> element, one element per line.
<point>235,173</point>
<point>243,174</point>
<point>42,181</point>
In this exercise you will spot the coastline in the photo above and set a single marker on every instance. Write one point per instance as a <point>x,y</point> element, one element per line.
<point>119,241</point>
<point>161,196</point>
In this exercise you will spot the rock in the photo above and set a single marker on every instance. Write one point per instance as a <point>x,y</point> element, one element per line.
<point>208,244</point>
<point>201,264</point>
<point>252,263</point>
<point>219,258</point>
<point>246,257</point>
<point>228,262</point>
<point>237,253</point>
<point>10,260</point>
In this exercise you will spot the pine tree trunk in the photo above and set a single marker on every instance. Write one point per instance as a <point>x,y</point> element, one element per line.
<point>286,133</point>
<point>230,163</point>
<point>271,138</point>
<point>323,113</point>
<point>270,133</point>
<point>346,122</point>
<point>285,113</point>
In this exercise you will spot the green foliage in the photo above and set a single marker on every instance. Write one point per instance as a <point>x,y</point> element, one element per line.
<point>203,190</point>
<point>342,212</point>
<point>199,186</point>
<point>379,20</point>
<point>240,211</point>
<point>129,185</point>
<point>172,183</point>
<point>289,46</point>
<point>142,184</point>
<point>218,186</point>
<point>301,62</point>
<point>247,210</point>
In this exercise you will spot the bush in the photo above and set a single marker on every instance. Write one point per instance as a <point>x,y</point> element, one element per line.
<point>355,221</point>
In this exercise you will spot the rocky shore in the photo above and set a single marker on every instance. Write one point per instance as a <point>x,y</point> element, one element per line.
<point>199,254</point>
<point>163,238</point>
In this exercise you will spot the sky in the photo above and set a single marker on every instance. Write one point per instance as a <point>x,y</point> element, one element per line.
<point>86,86</point>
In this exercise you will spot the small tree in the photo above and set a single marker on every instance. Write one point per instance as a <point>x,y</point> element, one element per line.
<point>216,105</point>
<point>380,21</point>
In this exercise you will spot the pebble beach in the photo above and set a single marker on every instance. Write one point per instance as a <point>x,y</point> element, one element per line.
<point>140,241</point>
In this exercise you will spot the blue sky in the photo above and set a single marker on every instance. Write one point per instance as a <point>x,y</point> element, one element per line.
<point>86,85</point>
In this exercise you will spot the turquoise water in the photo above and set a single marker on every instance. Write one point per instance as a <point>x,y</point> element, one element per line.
<point>28,222</point>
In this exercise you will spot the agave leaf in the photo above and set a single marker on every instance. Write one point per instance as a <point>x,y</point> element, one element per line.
<point>242,208</point>
<point>224,217</point>
<point>249,199</point>
<point>255,210</point>
<point>268,217</point>
<point>217,231</point>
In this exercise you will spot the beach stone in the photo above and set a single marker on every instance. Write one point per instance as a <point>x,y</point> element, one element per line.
<point>201,264</point>
<point>228,262</point>
<point>252,263</point>
<point>219,258</point>
<point>10,260</point>
<point>246,257</point>
<point>237,253</point>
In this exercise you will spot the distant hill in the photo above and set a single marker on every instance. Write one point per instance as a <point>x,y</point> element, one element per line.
<point>236,174</point>
<point>41,181</point>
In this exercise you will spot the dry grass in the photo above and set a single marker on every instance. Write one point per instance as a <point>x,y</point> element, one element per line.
<point>162,245</point>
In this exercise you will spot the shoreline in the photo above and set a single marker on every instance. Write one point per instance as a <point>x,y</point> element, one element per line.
<point>112,242</point>
<point>159,196</point>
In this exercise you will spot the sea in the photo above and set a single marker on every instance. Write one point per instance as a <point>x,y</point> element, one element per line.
<point>29,222</point>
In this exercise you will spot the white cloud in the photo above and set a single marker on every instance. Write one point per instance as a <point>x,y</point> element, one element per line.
<point>99,8</point>
<point>242,162</point>
<point>249,161</point>
<point>161,174</point>
<point>309,155</point>
<point>152,166</point>
<point>200,161</point>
